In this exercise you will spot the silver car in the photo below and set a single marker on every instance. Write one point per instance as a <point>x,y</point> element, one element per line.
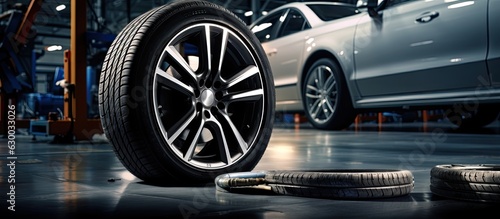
<point>391,54</point>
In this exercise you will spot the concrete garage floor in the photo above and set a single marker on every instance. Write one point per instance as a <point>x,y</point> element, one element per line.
<point>68,181</point>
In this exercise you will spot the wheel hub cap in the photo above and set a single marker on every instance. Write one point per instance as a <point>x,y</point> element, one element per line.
<point>322,94</point>
<point>207,98</point>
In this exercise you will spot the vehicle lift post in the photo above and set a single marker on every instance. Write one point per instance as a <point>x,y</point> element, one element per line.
<point>75,61</point>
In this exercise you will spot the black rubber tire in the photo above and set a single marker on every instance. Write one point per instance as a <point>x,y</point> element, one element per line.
<point>341,178</point>
<point>467,173</point>
<point>343,193</point>
<point>333,184</point>
<point>471,182</point>
<point>480,116</point>
<point>337,101</point>
<point>471,196</point>
<point>465,186</point>
<point>129,95</point>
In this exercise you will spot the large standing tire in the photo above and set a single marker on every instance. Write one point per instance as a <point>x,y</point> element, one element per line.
<point>326,98</point>
<point>173,118</point>
<point>467,182</point>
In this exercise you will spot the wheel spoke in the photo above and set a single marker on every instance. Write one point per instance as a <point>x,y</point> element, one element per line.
<point>192,139</point>
<point>315,108</point>
<point>220,137</point>
<point>178,128</point>
<point>173,83</point>
<point>330,84</point>
<point>223,47</point>
<point>213,57</point>
<point>207,52</point>
<point>252,95</point>
<point>180,63</point>
<point>241,142</point>
<point>315,90</point>
<point>327,107</point>
<point>319,78</point>
<point>242,75</point>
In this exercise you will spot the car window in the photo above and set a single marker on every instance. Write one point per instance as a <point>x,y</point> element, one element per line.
<point>293,23</point>
<point>265,30</point>
<point>397,2</point>
<point>332,12</point>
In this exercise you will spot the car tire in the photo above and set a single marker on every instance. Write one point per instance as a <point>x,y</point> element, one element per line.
<point>326,98</point>
<point>472,119</point>
<point>480,183</point>
<point>332,184</point>
<point>343,193</point>
<point>341,178</point>
<point>173,120</point>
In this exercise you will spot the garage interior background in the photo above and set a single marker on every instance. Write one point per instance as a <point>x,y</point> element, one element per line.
<point>104,20</point>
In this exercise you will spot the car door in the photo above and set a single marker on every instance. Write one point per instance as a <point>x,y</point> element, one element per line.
<point>494,50</point>
<point>416,46</point>
<point>283,51</point>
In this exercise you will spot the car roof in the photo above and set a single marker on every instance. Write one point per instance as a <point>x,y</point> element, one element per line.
<point>312,18</point>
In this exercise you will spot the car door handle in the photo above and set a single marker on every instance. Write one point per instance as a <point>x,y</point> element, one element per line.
<point>427,17</point>
<point>272,53</point>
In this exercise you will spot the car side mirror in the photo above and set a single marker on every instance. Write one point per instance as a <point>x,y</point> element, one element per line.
<point>372,7</point>
<point>372,4</point>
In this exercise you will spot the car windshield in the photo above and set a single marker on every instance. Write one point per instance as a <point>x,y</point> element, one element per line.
<point>332,12</point>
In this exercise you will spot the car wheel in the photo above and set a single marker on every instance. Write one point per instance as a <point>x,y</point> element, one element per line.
<point>472,119</point>
<point>471,182</point>
<point>326,98</point>
<point>186,94</point>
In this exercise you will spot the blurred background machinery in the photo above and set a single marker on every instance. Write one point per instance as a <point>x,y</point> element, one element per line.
<point>46,42</point>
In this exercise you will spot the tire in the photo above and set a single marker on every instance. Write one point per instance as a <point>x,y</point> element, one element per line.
<point>466,195</point>
<point>325,96</point>
<point>343,193</point>
<point>465,186</point>
<point>333,184</point>
<point>479,182</point>
<point>341,178</point>
<point>478,117</point>
<point>170,120</point>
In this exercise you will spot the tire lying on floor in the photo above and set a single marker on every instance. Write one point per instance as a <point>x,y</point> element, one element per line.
<point>186,94</point>
<point>333,184</point>
<point>470,182</point>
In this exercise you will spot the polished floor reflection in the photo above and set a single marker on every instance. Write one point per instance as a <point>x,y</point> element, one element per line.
<point>86,180</point>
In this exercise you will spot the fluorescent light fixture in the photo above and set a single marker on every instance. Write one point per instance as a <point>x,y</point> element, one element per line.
<point>60,7</point>
<point>265,13</point>
<point>53,48</point>
<point>248,13</point>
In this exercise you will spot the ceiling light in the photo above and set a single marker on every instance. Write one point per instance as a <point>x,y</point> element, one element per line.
<point>60,7</point>
<point>248,13</point>
<point>53,48</point>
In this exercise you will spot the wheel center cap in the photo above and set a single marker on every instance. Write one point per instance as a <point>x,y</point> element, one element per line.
<point>207,98</point>
<point>322,94</point>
